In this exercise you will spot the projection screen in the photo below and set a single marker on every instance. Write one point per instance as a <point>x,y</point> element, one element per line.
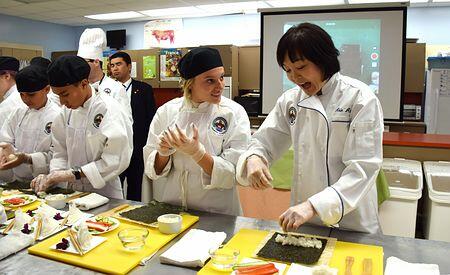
<point>371,45</point>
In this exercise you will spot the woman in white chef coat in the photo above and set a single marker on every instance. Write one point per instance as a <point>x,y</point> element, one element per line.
<point>195,141</point>
<point>91,137</point>
<point>25,137</point>
<point>335,126</point>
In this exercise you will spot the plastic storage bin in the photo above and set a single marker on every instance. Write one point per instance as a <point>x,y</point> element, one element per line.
<point>398,214</point>
<point>438,62</point>
<point>437,203</point>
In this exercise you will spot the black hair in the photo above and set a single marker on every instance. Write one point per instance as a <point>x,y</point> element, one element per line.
<point>309,41</point>
<point>126,57</point>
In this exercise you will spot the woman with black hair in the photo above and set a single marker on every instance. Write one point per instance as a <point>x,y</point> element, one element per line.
<point>335,126</point>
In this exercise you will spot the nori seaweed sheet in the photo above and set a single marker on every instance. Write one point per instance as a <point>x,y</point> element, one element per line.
<point>291,253</point>
<point>25,186</point>
<point>149,213</point>
<point>15,185</point>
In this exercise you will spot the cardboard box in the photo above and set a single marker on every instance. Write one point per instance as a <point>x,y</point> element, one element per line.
<point>415,68</point>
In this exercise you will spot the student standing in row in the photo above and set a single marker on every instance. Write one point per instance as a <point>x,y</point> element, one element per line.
<point>25,137</point>
<point>195,141</point>
<point>45,63</point>
<point>143,109</point>
<point>91,136</point>
<point>335,124</point>
<point>91,46</point>
<point>9,97</point>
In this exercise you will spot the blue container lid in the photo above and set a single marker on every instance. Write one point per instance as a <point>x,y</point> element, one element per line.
<point>438,58</point>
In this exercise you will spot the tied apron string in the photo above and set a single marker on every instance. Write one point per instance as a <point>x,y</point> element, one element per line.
<point>183,184</point>
<point>70,185</point>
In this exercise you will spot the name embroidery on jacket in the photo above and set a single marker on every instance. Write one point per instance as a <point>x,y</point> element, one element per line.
<point>342,110</point>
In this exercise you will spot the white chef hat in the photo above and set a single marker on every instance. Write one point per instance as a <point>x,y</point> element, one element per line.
<point>92,43</point>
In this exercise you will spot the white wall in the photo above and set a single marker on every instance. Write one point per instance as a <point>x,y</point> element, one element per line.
<point>52,37</point>
<point>228,29</point>
<point>430,25</point>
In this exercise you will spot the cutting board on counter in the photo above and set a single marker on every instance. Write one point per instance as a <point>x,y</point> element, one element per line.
<point>110,257</point>
<point>247,241</point>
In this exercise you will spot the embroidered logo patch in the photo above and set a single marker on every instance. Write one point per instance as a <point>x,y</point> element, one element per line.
<point>48,128</point>
<point>219,125</point>
<point>97,120</point>
<point>107,90</point>
<point>292,114</point>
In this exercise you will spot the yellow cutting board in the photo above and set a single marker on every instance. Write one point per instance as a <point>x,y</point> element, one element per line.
<point>25,208</point>
<point>247,240</point>
<point>110,256</point>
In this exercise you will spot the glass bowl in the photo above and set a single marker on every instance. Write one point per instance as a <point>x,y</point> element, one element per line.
<point>133,238</point>
<point>224,258</point>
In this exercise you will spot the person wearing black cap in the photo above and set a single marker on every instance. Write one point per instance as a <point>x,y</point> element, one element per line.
<point>194,142</point>
<point>25,137</point>
<point>91,141</point>
<point>143,109</point>
<point>44,63</point>
<point>40,61</point>
<point>9,97</point>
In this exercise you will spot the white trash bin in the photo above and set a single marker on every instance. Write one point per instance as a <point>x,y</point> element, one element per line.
<point>437,204</point>
<point>398,214</point>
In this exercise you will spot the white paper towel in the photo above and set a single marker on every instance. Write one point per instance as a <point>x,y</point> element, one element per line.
<point>193,249</point>
<point>395,266</point>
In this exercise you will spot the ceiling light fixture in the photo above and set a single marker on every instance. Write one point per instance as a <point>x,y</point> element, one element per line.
<point>115,15</point>
<point>303,3</point>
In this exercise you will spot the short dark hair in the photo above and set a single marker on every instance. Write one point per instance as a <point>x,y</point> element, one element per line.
<point>126,57</point>
<point>309,41</point>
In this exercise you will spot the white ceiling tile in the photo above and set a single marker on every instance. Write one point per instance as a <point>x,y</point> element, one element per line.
<point>9,11</point>
<point>9,3</point>
<point>55,5</point>
<point>36,16</point>
<point>57,14</point>
<point>27,9</point>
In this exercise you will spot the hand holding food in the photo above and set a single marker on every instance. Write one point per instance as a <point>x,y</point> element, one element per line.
<point>6,150</point>
<point>43,182</point>
<point>14,160</point>
<point>296,215</point>
<point>258,174</point>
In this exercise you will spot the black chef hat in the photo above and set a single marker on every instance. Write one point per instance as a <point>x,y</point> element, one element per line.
<point>67,70</point>
<point>9,63</point>
<point>31,79</point>
<point>199,60</point>
<point>40,61</point>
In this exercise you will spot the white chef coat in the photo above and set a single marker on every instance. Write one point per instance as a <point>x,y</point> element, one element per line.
<point>11,101</point>
<point>115,89</point>
<point>337,150</point>
<point>54,97</point>
<point>224,130</point>
<point>29,131</point>
<point>98,137</point>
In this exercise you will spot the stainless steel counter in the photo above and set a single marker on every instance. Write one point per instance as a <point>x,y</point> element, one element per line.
<point>411,250</point>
